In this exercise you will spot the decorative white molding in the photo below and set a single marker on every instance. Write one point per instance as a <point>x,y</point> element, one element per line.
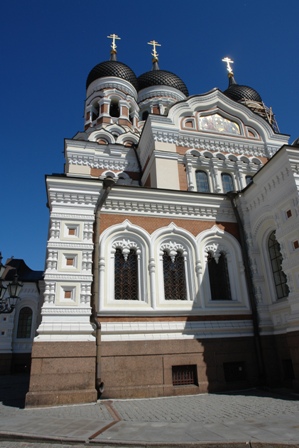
<point>127,331</point>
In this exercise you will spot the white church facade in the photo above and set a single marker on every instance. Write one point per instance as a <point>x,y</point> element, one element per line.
<point>173,250</point>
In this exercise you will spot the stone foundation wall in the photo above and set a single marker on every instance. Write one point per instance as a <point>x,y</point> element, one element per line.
<point>144,369</point>
<point>62,373</point>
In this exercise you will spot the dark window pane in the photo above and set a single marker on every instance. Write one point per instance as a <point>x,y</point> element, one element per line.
<point>227,182</point>
<point>219,278</point>
<point>202,182</point>
<point>174,277</point>
<point>24,323</point>
<point>126,276</point>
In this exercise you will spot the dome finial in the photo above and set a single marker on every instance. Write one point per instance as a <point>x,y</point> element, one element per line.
<point>228,66</point>
<point>229,69</point>
<point>113,51</point>
<point>155,54</point>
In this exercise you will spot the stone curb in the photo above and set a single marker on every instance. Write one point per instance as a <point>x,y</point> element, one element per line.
<point>15,437</point>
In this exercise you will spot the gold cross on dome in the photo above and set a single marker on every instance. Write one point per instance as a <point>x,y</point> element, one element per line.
<point>114,37</point>
<point>154,44</point>
<point>228,62</point>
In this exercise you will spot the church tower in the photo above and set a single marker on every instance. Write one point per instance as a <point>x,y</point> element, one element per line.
<point>154,283</point>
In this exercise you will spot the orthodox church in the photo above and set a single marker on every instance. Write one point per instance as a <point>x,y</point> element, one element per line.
<point>173,249</point>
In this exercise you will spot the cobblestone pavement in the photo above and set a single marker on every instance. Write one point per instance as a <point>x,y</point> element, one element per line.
<point>207,408</point>
<point>239,419</point>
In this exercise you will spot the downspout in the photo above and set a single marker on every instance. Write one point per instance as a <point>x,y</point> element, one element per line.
<point>107,186</point>
<point>250,287</point>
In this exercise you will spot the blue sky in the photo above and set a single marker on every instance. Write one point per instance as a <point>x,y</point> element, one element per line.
<point>49,47</point>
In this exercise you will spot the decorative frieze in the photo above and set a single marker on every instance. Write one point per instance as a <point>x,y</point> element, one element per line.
<point>254,150</point>
<point>168,209</point>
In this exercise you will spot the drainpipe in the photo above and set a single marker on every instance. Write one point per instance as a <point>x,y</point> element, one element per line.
<point>250,287</point>
<point>107,186</point>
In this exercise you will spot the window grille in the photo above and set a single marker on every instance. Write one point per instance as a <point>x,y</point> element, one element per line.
<point>174,277</point>
<point>126,276</point>
<point>24,323</point>
<point>184,375</point>
<point>202,182</point>
<point>280,279</point>
<point>219,278</point>
<point>227,182</point>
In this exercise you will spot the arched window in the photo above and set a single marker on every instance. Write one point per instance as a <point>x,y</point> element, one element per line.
<point>202,182</point>
<point>24,323</point>
<point>126,275</point>
<point>114,109</point>
<point>280,279</point>
<point>227,182</point>
<point>174,277</point>
<point>219,278</point>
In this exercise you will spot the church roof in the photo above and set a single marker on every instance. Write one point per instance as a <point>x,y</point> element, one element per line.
<point>238,92</point>
<point>25,274</point>
<point>112,68</point>
<point>161,78</point>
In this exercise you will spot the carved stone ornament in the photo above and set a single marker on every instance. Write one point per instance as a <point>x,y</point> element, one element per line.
<point>172,248</point>
<point>215,250</point>
<point>125,246</point>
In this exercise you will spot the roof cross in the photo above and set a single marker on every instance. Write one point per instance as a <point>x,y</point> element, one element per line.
<point>228,62</point>
<point>154,52</point>
<point>114,37</point>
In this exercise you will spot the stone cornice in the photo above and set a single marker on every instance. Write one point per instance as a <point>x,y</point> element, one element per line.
<point>51,275</point>
<point>169,204</point>
<point>110,156</point>
<point>53,244</point>
<point>221,144</point>
<point>66,310</point>
<point>72,216</point>
<point>109,82</point>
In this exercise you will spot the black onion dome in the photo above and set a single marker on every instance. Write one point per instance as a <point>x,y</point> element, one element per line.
<point>112,68</point>
<point>238,92</point>
<point>161,78</point>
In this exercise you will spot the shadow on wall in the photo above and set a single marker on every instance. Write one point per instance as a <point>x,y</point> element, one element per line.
<point>13,389</point>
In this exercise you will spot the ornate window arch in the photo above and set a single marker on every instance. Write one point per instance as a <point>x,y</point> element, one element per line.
<point>123,268</point>
<point>173,249</point>
<point>222,250</point>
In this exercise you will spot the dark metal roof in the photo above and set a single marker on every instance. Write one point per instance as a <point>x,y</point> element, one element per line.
<point>161,78</point>
<point>238,93</point>
<point>112,68</point>
<point>15,265</point>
